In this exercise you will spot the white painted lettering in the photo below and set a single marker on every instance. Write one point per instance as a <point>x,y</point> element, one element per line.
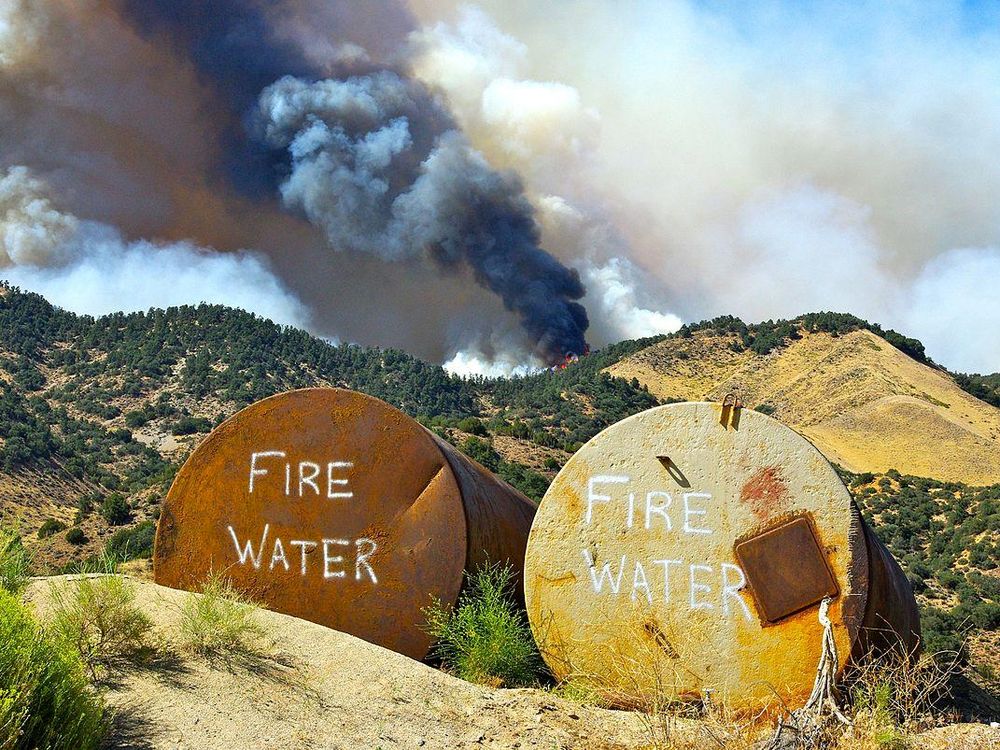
<point>732,590</point>
<point>695,587</point>
<point>658,509</point>
<point>593,497</point>
<point>666,575</point>
<point>246,552</point>
<point>304,545</point>
<point>278,554</point>
<point>362,558</point>
<point>639,581</point>
<point>332,482</point>
<point>254,471</point>
<point>311,479</point>
<point>329,559</point>
<point>689,512</point>
<point>614,583</point>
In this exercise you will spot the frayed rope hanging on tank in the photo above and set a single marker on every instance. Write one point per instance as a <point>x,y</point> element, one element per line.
<point>807,726</point>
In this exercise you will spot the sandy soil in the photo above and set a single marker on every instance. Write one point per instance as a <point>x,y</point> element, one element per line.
<point>323,689</point>
<point>319,689</point>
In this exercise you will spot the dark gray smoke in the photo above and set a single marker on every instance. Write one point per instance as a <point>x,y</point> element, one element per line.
<point>371,157</point>
<point>231,46</point>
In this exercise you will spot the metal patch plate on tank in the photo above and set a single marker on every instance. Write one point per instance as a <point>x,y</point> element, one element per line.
<point>786,569</point>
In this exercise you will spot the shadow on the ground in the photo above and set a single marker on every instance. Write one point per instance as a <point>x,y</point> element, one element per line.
<point>277,668</point>
<point>166,665</point>
<point>130,729</point>
<point>975,702</point>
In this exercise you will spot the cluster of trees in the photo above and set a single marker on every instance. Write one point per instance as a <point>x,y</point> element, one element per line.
<point>531,483</point>
<point>769,335</point>
<point>26,438</point>
<point>944,536</point>
<point>165,358</point>
<point>123,372</point>
<point>564,409</point>
<point>984,387</point>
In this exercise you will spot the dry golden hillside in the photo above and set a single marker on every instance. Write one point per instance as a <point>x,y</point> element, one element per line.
<point>864,403</point>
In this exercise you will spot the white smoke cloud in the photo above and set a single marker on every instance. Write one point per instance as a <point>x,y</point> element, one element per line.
<point>611,293</point>
<point>32,231</point>
<point>756,160</point>
<point>954,306</point>
<point>473,363</point>
<point>88,267</point>
<point>541,128</point>
<point>619,302</point>
<point>810,249</point>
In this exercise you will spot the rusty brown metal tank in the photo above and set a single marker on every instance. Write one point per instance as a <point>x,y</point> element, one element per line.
<point>686,550</point>
<point>333,506</point>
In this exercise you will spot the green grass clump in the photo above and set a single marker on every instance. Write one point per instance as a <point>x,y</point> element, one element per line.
<point>98,618</point>
<point>76,536</point>
<point>220,621</point>
<point>485,638</point>
<point>15,562</point>
<point>45,699</point>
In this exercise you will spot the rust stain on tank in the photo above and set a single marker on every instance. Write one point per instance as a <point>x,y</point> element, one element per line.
<point>765,492</point>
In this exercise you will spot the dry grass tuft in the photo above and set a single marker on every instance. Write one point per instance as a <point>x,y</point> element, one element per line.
<point>219,621</point>
<point>895,695</point>
<point>96,615</point>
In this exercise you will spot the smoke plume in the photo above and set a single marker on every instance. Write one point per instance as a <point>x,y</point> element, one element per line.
<point>756,159</point>
<point>374,160</point>
<point>379,165</point>
<point>87,266</point>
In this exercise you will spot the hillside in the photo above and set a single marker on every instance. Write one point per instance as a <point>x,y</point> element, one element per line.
<point>96,415</point>
<point>863,402</point>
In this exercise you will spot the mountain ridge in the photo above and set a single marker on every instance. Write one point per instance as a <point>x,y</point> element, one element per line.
<point>865,403</point>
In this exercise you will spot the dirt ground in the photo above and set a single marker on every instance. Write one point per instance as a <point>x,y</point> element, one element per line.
<point>319,689</point>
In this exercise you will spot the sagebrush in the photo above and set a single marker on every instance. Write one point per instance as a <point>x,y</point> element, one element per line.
<point>220,621</point>
<point>15,561</point>
<point>45,699</point>
<point>485,638</point>
<point>97,616</point>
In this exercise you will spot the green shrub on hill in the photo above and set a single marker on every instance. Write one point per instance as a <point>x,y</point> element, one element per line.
<point>943,534</point>
<point>15,561</point>
<point>49,527</point>
<point>76,536</point>
<point>115,510</point>
<point>132,544</point>
<point>531,483</point>
<point>191,425</point>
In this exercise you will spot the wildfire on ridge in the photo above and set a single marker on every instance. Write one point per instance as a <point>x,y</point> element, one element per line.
<point>569,359</point>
